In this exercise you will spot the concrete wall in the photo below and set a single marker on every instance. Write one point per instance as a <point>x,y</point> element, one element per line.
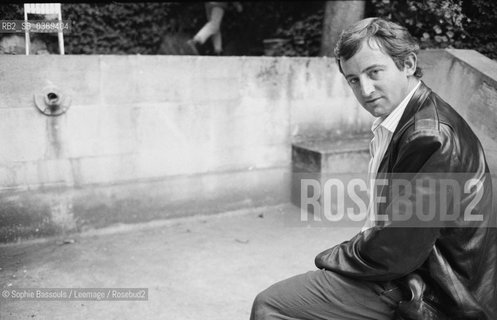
<point>140,117</point>
<point>149,137</point>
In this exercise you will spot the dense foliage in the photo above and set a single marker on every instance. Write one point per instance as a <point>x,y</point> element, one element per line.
<point>482,30</point>
<point>150,28</point>
<point>304,35</point>
<point>459,24</point>
<point>446,23</point>
<point>11,12</point>
<point>163,28</point>
<point>116,28</point>
<point>437,24</point>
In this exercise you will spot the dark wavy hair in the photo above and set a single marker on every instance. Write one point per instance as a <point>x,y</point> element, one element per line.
<point>392,39</point>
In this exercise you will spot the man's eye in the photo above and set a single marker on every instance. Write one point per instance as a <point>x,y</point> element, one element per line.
<point>374,72</point>
<point>353,80</point>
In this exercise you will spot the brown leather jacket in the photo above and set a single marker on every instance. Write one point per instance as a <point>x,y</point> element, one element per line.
<point>451,267</point>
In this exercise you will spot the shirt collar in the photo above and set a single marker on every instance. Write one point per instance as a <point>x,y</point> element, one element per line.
<point>392,120</point>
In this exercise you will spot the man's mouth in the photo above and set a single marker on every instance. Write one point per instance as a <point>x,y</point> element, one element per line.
<point>372,100</point>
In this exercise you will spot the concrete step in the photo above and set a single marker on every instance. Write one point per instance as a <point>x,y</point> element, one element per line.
<point>343,158</point>
<point>339,155</point>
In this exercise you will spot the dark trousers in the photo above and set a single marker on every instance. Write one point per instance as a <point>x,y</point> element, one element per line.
<point>326,295</point>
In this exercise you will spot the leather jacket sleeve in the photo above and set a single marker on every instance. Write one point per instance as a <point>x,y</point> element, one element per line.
<point>389,251</point>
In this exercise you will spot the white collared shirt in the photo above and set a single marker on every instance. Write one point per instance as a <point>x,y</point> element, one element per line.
<point>383,129</point>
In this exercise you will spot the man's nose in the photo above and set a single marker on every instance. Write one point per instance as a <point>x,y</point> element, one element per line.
<point>367,87</point>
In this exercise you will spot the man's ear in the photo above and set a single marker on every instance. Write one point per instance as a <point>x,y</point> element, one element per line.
<point>410,63</point>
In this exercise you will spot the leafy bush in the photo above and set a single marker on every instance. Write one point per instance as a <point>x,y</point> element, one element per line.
<point>115,28</point>
<point>11,11</point>
<point>274,19</point>
<point>437,24</point>
<point>481,31</point>
<point>304,36</point>
<point>469,24</point>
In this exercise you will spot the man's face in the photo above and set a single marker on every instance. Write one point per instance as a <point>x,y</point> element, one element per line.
<point>375,79</point>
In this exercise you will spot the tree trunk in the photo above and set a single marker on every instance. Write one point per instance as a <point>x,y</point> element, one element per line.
<point>337,16</point>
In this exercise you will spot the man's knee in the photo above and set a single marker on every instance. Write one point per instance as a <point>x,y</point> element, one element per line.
<point>261,306</point>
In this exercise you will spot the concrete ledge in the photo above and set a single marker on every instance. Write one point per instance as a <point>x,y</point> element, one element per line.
<point>480,63</point>
<point>468,81</point>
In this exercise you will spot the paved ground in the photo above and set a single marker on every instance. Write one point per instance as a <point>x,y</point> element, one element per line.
<point>205,268</point>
